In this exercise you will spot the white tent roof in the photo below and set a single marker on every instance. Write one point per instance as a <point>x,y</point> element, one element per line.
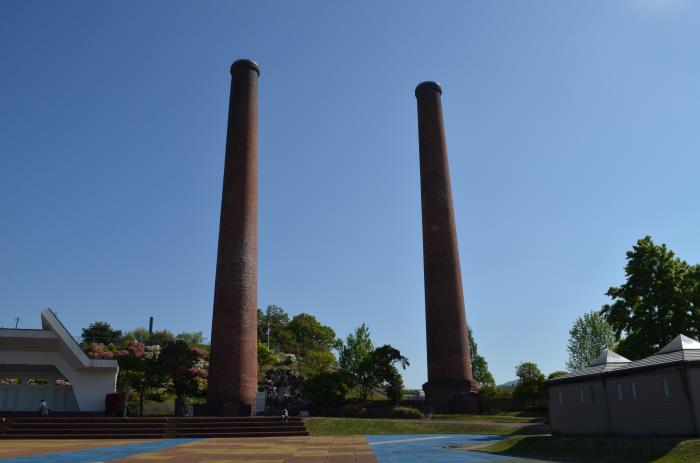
<point>608,356</point>
<point>680,343</point>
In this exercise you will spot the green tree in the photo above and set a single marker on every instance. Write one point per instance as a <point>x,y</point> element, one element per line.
<point>138,370</point>
<point>315,362</point>
<point>589,336</point>
<point>556,374</point>
<point>328,388</point>
<point>530,387</point>
<point>101,333</point>
<point>659,300</point>
<point>272,328</point>
<point>354,353</point>
<point>368,368</point>
<point>266,357</point>
<point>193,338</point>
<point>309,335</point>
<point>140,334</point>
<point>178,366</point>
<point>394,386</point>
<point>480,368</point>
<point>161,337</point>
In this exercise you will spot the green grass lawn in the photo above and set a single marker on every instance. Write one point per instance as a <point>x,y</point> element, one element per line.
<point>358,426</point>
<point>598,449</point>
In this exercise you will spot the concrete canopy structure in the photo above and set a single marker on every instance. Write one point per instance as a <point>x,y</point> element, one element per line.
<point>48,363</point>
<point>450,386</point>
<point>657,395</point>
<point>233,364</point>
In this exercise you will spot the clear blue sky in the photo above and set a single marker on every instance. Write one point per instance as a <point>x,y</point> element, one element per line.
<point>572,130</point>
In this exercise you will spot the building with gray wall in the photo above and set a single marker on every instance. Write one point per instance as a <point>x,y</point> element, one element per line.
<point>658,395</point>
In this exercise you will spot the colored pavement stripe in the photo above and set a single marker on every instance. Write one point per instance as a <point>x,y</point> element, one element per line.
<point>422,448</point>
<point>24,447</point>
<point>103,454</point>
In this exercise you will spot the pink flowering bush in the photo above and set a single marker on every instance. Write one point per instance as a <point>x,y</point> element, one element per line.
<point>133,351</point>
<point>199,353</point>
<point>136,349</point>
<point>97,351</point>
<point>198,372</point>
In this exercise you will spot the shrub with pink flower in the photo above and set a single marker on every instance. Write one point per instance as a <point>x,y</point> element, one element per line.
<point>133,350</point>
<point>198,372</point>
<point>97,351</point>
<point>136,349</point>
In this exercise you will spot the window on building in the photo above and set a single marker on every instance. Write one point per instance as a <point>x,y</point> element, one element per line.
<point>619,391</point>
<point>580,390</point>
<point>592,392</point>
<point>634,390</point>
<point>667,393</point>
<point>37,381</point>
<point>10,381</point>
<point>561,399</point>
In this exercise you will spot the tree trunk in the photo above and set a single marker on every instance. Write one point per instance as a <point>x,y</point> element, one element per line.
<point>126,400</point>
<point>142,391</point>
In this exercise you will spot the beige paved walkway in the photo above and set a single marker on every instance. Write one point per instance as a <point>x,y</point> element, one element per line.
<point>342,449</point>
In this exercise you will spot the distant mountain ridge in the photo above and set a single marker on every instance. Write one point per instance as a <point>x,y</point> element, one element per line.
<point>509,384</point>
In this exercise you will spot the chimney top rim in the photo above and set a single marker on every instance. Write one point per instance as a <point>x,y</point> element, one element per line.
<point>246,63</point>
<point>428,85</point>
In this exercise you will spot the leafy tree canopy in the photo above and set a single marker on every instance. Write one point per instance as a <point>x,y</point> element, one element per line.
<point>309,335</point>
<point>272,328</point>
<point>530,387</point>
<point>588,337</point>
<point>300,335</point>
<point>327,388</point>
<point>161,337</point>
<point>480,369</point>
<point>193,338</point>
<point>659,300</point>
<point>102,333</point>
<point>353,353</point>
<point>266,357</point>
<point>394,386</point>
<point>368,368</point>
<point>181,366</point>
<point>140,334</point>
<point>315,362</point>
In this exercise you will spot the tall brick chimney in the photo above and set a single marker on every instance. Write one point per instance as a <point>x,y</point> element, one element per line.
<point>233,370</point>
<point>450,386</point>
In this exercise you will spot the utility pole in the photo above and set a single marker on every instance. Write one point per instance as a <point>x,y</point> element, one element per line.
<point>17,324</point>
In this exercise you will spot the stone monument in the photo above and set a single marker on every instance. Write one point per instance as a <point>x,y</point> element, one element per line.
<point>450,386</point>
<point>233,370</point>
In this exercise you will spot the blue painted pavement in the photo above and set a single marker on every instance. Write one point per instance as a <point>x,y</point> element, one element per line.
<point>100,454</point>
<point>430,448</point>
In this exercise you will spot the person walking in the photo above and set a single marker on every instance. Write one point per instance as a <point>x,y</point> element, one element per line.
<point>43,409</point>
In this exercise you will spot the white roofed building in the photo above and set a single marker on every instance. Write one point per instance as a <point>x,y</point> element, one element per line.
<point>48,363</point>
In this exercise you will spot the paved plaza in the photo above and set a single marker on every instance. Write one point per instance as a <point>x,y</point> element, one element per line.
<point>420,448</point>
